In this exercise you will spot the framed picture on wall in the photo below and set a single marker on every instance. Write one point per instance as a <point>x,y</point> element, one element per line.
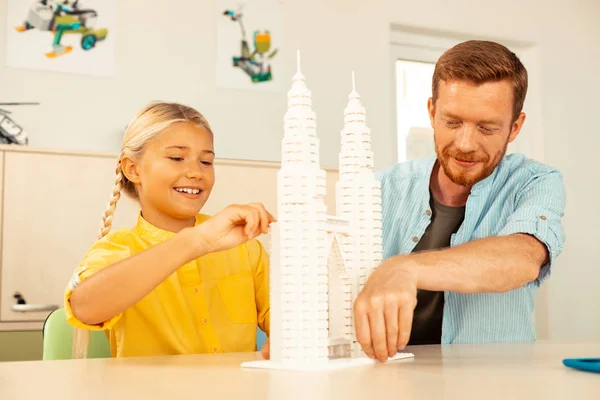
<point>72,36</point>
<point>249,42</point>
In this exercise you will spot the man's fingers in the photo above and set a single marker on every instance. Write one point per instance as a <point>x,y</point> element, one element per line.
<point>391,327</point>
<point>405,319</point>
<point>378,332</point>
<point>363,331</point>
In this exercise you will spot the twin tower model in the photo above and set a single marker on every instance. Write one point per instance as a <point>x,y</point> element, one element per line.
<point>319,262</point>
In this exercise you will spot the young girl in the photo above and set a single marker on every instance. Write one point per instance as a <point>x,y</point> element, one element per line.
<point>179,282</point>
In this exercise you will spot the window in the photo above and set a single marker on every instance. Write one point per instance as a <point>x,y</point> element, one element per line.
<point>413,88</point>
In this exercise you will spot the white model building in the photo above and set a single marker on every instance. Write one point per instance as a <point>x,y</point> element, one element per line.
<point>319,263</point>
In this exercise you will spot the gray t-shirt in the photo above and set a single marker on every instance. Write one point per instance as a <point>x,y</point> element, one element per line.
<point>427,320</point>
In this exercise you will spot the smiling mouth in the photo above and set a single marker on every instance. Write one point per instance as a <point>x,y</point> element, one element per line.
<point>190,193</point>
<point>188,190</point>
<point>465,163</point>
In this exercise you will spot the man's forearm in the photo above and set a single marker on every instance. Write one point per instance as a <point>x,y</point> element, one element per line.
<point>495,264</point>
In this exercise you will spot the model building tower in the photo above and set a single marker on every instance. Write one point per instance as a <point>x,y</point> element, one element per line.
<point>319,262</point>
<point>358,199</point>
<point>299,281</point>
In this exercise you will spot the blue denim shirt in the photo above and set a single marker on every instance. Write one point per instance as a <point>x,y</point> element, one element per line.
<point>521,196</point>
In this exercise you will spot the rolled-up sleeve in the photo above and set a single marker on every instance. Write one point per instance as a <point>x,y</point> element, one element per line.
<point>539,209</point>
<point>104,253</point>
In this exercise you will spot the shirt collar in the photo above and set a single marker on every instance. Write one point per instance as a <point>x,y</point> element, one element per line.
<point>429,164</point>
<point>485,185</point>
<point>146,230</point>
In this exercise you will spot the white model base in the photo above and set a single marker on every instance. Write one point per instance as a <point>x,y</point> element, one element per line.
<point>338,363</point>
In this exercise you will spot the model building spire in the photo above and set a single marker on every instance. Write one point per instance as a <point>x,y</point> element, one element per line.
<point>299,95</point>
<point>356,153</point>
<point>300,144</point>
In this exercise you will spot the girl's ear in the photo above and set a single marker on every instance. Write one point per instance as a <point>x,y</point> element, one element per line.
<point>130,170</point>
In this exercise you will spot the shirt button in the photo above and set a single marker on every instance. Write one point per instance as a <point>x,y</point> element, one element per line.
<point>204,321</point>
<point>196,290</point>
<point>428,212</point>
<point>543,217</point>
<point>415,239</point>
<point>215,349</point>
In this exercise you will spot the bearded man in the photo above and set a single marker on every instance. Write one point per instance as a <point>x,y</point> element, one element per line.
<point>468,235</point>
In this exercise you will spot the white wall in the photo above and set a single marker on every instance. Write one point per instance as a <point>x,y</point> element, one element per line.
<point>171,56</point>
<point>571,85</point>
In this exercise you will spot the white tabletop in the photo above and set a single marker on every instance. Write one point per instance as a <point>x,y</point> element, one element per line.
<point>487,371</point>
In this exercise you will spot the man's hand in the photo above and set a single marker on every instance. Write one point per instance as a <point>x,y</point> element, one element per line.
<point>383,310</point>
<point>265,351</point>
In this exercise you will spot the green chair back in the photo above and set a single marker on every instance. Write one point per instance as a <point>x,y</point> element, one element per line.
<point>58,339</point>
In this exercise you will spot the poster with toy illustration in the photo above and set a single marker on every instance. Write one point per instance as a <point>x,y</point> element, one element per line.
<point>249,41</point>
<point>71,36</point>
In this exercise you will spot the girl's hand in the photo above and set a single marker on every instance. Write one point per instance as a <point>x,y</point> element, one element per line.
<point>266,350</point>
<point>233,226</point>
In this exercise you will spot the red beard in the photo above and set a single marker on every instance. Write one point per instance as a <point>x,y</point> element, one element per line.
<point>466,177</point>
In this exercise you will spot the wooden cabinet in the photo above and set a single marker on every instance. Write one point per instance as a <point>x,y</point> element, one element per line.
<point>51,205</point>
<point>50,216</point>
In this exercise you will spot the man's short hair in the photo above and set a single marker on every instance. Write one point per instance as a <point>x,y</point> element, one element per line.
<point>480,61</point>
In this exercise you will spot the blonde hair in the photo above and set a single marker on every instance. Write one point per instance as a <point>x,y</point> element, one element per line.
<point>145,126</point>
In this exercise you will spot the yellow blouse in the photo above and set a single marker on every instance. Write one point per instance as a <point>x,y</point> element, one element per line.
<point>210,305</point>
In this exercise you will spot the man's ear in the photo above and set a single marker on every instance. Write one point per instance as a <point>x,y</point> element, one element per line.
<point>516,127</point>
<point>130,170</point>
<point>431,111</point>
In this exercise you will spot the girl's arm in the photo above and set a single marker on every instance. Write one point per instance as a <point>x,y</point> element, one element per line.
<point>119,286</point>
<point>114,289</point>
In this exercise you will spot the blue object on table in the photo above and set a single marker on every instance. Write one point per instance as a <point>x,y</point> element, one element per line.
<point>583,364</point>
